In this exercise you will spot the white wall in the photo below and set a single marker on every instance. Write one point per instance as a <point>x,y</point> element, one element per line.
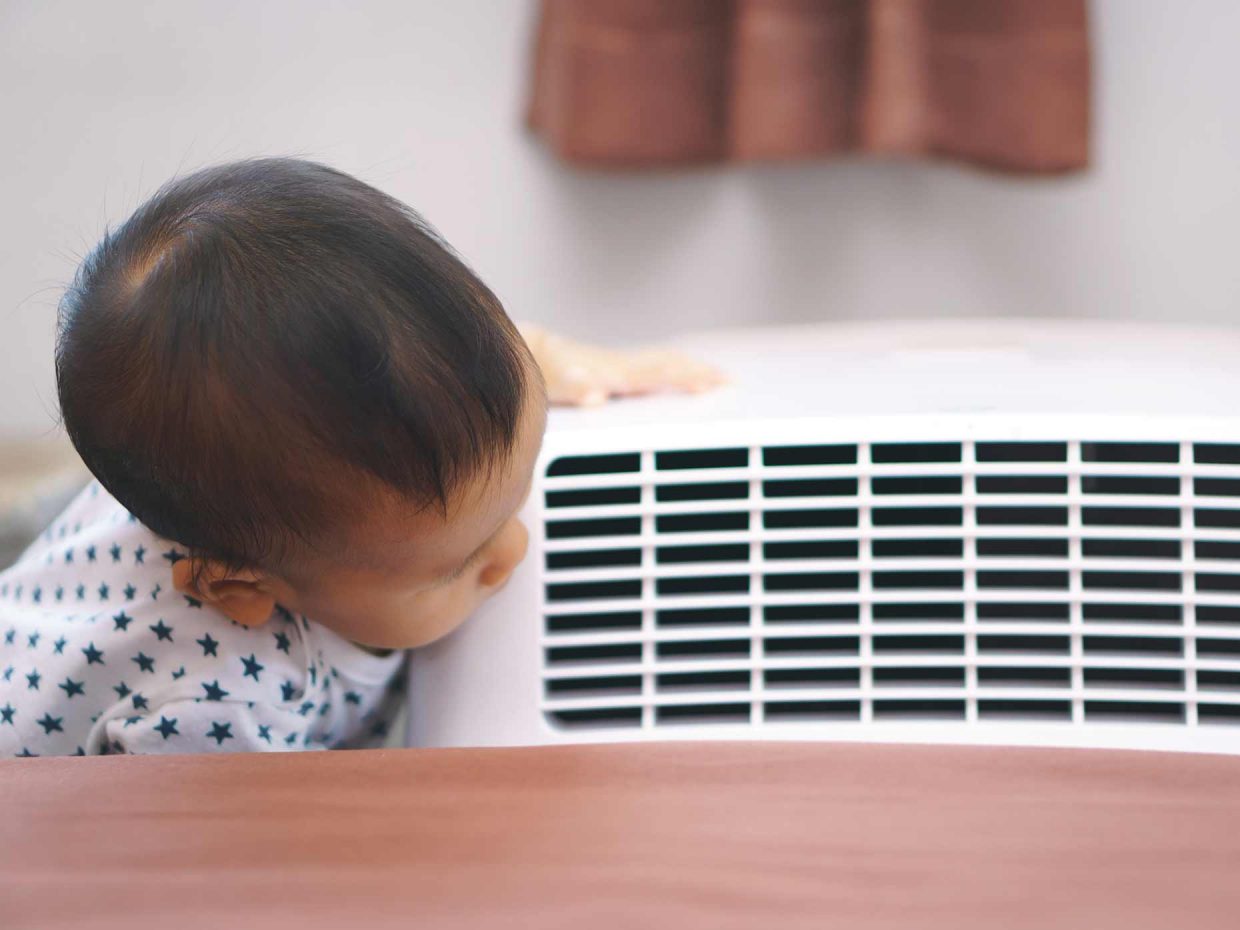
<point>100,102</point>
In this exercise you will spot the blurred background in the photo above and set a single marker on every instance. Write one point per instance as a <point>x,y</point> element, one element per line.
<point>101,102</point>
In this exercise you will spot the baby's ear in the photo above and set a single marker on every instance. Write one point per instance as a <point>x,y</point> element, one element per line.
<point>239,594</point>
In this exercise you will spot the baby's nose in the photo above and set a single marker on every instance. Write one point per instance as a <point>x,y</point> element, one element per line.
<point>505,555</point>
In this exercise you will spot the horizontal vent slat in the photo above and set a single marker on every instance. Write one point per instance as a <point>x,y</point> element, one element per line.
<point>949,581</point>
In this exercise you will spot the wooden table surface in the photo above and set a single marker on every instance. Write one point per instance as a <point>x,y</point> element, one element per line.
<point>704,835</point>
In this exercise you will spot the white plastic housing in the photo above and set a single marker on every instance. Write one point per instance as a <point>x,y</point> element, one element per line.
<point>1012,532</point>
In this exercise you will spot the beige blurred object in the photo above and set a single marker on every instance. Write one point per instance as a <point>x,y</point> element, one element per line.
<point>648,83</point>
<point>29,466</point>
<point>38,477</point>
<point>582,375</point>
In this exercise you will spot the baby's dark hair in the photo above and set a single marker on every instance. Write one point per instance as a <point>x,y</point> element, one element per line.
<point>262,340</point>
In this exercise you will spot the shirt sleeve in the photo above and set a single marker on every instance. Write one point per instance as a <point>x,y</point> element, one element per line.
<point>209,726</point>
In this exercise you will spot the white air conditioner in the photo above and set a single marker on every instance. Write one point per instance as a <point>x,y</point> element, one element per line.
<point>1005,532</point>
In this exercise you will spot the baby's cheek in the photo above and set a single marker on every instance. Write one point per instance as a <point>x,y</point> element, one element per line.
<point>439,615</point>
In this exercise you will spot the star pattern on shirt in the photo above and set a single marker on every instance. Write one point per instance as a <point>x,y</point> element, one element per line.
<point>170,639</point>
<point>220,732</point>
<point>252,667</point>
<point>214,691</point>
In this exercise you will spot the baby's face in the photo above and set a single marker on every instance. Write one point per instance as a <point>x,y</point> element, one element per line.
<point>410,578</point>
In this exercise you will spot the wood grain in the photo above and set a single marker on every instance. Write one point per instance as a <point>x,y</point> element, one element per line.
<point>711,835</point>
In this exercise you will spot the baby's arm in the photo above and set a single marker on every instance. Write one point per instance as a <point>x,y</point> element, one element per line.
<point>189,726</point>
<point>582,375</point>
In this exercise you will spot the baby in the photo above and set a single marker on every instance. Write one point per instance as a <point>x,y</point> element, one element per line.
<point>311,427</point>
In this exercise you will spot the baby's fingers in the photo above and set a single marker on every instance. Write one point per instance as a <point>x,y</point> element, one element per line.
<point>668,370</point>
<point>579,386</point>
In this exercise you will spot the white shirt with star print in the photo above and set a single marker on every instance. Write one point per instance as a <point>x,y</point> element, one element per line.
<point>100,654</point>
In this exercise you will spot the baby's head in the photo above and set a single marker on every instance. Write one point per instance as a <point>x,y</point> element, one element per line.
<point>289,374</point>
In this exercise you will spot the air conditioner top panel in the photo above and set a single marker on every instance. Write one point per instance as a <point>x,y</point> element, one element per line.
<point>1043,368</point>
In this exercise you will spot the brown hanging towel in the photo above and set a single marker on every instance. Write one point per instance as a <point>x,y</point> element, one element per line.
<point>651,83</point>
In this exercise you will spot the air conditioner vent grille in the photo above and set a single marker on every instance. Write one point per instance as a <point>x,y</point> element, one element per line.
<point>1071,581</point>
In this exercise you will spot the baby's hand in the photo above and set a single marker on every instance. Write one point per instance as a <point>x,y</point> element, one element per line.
<point>581,375</point>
